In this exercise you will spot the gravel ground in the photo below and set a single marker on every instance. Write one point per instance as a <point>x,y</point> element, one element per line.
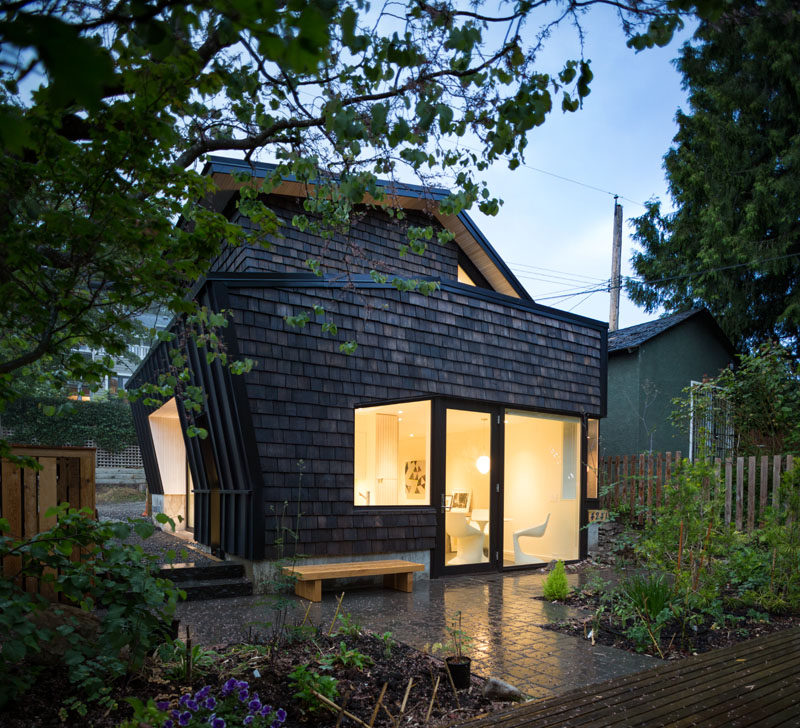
<point>160,542</point>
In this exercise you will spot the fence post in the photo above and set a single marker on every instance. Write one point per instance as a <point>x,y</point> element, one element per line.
<point>751,492</point>
<point>776,479</point>
<point>640,488</point>
<point>739,492</point>
<point>728,490</point>
<point>659,478</point>
<point>762,496</point>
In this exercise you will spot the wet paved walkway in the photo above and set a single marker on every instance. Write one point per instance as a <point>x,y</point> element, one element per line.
<point>499,612</point>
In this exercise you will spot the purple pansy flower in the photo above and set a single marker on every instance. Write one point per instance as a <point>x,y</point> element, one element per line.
<point>162,705</point>
<point>275,724</point>
<point>280,714</point>
<point>184,699</point>
<point>266,710</point>
<point>211,702</point>
<point>192,704</point>
<point>167,723</point>
<point>202,692</point>
<point>217,722</point>
<point>228,687</point>
<point>248,719</point>
<point>176,714</point>
<point>185,718</point>
<point>254,705</point>
<point>243,695</point>
<point>242,685</point>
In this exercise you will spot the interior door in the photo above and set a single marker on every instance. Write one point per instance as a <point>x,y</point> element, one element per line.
<point>468,496</point>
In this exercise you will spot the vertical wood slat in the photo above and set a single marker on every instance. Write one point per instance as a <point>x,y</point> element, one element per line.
<point>789,466</point>
<point>616,481</point>
<point>659,478</point>
<point>48,490</point>
<point>640,488</point>
<point>751,492</point>
<point>776,479</point>
<point>30,520</point>
<point>728,490</point>
<point>12,512</point>
<point>717,477</point>
<point>739,492</point>
<point>762,495</point>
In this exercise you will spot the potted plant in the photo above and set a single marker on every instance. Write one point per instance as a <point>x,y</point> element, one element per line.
<point>457,663</point>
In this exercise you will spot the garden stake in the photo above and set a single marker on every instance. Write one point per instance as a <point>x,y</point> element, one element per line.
<point>389,713</point>
<point>188,656</point>
<point>308,609</point>
<point>680,548</point>
<point>377,705</point>
<point>453,684</point>
<point>403,704</point>
<point>341,710</point>
<point>702,555</point>
<point>336,613</point>
<point>336,708</point>
<point>433,697</point>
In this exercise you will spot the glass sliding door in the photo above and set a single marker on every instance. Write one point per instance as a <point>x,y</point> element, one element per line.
<point>466,503</point>
<point>541,489</point>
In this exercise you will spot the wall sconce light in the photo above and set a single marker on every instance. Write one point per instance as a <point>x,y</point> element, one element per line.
<point>483,464</point>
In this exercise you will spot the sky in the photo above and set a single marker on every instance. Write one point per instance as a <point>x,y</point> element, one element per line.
<point>616,144</point>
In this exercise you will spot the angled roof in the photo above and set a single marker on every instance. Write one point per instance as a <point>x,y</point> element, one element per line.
<point>632,337</point>
<point>467,235</point>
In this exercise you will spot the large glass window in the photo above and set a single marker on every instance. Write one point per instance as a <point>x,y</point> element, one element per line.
<point>392,455</point>
<point>592,460</point>
<point>542,488</point>
<point>468,487</point>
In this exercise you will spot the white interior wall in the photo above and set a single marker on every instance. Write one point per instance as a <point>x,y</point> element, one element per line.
<point>165,429</point>
<point>534,475</point>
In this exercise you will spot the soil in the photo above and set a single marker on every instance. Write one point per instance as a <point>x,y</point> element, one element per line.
<point>358,689</point>
<point>675,640</point>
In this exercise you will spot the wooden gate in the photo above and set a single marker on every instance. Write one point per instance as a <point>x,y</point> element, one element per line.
<point>67,475</point>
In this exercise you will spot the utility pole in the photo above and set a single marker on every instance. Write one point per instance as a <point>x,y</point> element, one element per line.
<point>616,279</point>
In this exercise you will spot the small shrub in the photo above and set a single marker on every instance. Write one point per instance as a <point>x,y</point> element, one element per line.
<point>347,658</point>
<point>305,682</point>
<point>138,605</point>
<point>555,585</point>
<point>235,705</point>
<point>649,595</point>
<point>347,626</point>
<point>458,641</point>
<point>388,643</point>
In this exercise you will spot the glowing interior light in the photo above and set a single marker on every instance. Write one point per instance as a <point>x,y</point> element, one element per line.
<point>483,463</point>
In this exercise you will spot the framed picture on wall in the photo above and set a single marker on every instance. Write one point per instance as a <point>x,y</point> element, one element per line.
<point>448,501</point>
<point>461,501</point>
<point>416,486</point>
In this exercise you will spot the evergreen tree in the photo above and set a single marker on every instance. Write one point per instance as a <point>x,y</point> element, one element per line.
<point>733,243</point>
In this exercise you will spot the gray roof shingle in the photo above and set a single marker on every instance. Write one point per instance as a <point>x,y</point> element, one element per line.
<point>633,336</point>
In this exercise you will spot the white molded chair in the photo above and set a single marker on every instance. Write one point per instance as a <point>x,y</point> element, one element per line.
<point>470,539</point>
<point>520,557</point>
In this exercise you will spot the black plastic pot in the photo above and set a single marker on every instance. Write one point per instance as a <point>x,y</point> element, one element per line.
<point>459,670</point>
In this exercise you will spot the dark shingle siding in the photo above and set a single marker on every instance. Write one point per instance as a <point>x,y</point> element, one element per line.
<point>373,242</point>
<point>303,391</point>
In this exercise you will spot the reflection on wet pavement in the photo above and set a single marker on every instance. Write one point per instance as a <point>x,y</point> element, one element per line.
<point>499,612</point>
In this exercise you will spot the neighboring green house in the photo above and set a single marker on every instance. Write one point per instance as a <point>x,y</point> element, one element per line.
<point>648,366</point>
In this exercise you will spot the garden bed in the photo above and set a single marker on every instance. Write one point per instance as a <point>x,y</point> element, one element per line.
<point>676,640</point>
<point>267,669</point>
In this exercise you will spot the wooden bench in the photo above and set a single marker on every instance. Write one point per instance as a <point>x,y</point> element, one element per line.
<point>397,574</point>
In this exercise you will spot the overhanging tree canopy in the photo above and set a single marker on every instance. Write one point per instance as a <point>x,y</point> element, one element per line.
<point>107,106</point>
<point>733,243</point>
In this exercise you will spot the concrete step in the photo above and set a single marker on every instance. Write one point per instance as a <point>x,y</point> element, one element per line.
<point>216,588</point>
<point>189,571</point>
<point>208,581</point>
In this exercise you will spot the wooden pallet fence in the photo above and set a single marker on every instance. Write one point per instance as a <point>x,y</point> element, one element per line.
<point>747,485</point>
<point>67,475</point>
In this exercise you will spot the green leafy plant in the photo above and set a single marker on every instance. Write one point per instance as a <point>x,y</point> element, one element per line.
<point>305,682</point>
<point>347,626</point>
<point>235,704</point>
<point>649,598</point>
<point>347,658</point>
<point>388,643</point>
<point>555,586</point>
<point>181,660</point>
<point>137,605</point>
<point>458,641</point>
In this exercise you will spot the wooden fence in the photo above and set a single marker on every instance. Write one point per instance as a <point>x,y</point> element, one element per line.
<point>67,474</point>
<point>749,484</point>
